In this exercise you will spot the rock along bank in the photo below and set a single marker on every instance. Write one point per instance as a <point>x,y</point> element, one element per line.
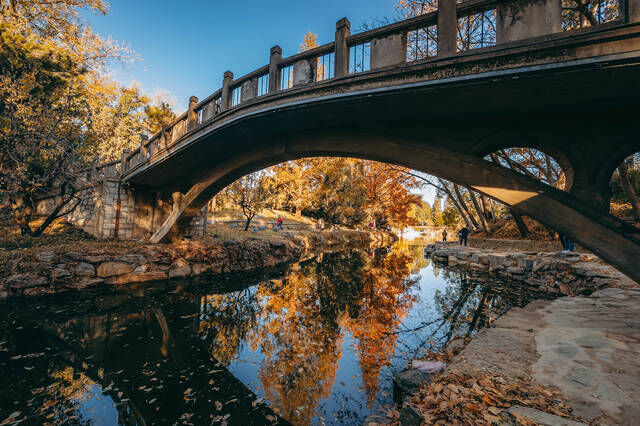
<point>50,272</point>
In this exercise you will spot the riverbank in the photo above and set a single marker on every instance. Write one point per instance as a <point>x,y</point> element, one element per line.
<point>574,360</point>
<point>49,270</point>
<point>556,273</point>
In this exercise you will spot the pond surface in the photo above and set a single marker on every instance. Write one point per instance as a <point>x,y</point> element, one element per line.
<point>315,343</point>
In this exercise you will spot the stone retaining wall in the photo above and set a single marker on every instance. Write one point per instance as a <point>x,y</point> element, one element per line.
<point>557,273</point>
<point>48,272</point>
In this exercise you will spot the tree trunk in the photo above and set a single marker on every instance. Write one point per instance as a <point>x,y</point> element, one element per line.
<point>246,226</point>
<point>479,211</point>
<point>456,204</point>
<point>522,227</point>
<point>462,213</point>
<point>56,211</point>
<point>464,206</point>
<point>628,189</point>
<point>485,208</point>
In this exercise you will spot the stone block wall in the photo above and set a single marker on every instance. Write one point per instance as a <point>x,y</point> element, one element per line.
<point>198,225</point>
<point>97,213</point>
<point>109,211</point>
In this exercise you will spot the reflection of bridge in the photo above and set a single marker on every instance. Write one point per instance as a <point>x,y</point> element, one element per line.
<point>378,95</point>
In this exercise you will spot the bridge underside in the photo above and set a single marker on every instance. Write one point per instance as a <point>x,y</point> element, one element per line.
<point>583,115</point>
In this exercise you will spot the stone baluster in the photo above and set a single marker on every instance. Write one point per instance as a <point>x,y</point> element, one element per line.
<point>343,31</point>
<point>226,90</point>
<point>192,115</point>
<point>124,162</point>
<point>144,148</point>
<point>447,27</point>
<point>275,56</point>
<point>166,136</point>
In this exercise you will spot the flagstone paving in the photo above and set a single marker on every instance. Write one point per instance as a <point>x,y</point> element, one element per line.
<point>589,347</point>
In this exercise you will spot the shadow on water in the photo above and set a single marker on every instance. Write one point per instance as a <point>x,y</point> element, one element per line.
<point>315,342</point>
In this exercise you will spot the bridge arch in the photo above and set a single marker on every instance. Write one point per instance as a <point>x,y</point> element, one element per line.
<point>600,232</point>
<point>544,142</point>
<point>625,189</point>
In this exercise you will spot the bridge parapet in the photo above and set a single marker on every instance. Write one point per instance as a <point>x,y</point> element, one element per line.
<point>455,29</point>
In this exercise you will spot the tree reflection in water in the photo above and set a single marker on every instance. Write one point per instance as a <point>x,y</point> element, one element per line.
<point>319,344</point>
<point>299,323</point>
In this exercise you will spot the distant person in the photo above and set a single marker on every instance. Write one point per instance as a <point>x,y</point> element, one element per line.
<point>371,226</point>
<point>279,224</point>
<point>463,234</point>
<point>444,235</point>
<point>567,243</point>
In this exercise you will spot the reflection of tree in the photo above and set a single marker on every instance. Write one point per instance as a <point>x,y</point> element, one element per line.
<point>385,303</point>
<point>470,303</point>
<point>66,395</point>
<point>300,334</point>
<point>226,320</point>
<point>300,331</point>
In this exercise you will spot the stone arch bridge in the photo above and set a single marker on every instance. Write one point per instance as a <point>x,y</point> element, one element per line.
<point>435,93</point>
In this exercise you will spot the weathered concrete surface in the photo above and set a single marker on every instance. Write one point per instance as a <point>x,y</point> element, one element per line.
<point>303,73</point>
<point>519,20</point>
<point>589,347</point>
<point>542,418</point>
<point>388,51</point>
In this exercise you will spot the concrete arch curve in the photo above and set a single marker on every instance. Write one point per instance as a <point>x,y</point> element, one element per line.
<point>626,148</point>
<point>608,237</point>
<point>560,157</point>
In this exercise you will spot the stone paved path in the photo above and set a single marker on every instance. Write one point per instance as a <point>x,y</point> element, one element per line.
<point>589,347</point>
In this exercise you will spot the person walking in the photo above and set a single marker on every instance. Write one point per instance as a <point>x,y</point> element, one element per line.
<point>279,224</point>
<point>463,234</point>
<point>444,235</point>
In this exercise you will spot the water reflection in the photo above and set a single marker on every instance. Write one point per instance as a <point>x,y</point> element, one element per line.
<point>319,343</point>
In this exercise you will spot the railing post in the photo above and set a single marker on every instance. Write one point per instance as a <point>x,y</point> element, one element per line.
<point>144,149</point>
<point>123,162</point>
<point>192,115</point>
<point>275,56</point>
<point>226,90</point>
<point>447,27</point>
<point>166,136</point>
<point>343,31</point>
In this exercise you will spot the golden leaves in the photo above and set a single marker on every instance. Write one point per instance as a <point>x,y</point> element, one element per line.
<point>454,398</point>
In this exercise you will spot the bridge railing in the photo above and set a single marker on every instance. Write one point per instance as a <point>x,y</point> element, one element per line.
<point>454,29</point>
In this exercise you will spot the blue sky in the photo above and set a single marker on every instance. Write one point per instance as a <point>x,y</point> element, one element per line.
<point>185,47</point>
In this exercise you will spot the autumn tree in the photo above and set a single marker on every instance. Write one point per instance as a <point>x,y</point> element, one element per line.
<point>59,113</point>
<point>625,184</point>
<point>250,194</point>
<point>158,115</point>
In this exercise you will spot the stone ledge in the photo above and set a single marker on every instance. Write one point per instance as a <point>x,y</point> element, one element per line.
<point>561,273</point>
<point>56,272</point>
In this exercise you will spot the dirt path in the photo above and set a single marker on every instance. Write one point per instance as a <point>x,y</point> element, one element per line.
<point>589,347</point>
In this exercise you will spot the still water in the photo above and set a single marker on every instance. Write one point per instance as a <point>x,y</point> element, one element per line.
<point>315,343</point>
